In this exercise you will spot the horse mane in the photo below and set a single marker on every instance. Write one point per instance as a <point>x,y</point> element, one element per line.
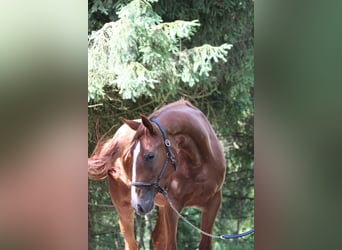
<point>181,102</point>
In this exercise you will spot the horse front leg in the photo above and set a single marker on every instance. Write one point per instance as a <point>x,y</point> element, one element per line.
<point>209,213</point>
<point>126,222</point>
<point>171,224</point>
<point>158,234</point>
<point>120,195</point>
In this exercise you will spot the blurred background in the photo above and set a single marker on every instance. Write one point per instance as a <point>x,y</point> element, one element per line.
<point>43,125</point>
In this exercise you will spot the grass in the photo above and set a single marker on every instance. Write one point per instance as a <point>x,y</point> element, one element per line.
<point>233,246</point>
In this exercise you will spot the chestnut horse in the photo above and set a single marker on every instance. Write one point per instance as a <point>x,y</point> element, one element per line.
<point>112,158</point>
<point>176,151</point>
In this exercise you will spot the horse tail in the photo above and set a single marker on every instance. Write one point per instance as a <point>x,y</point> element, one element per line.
<point>107,151</point>
<point>97,169</point>
<point>99,162</point>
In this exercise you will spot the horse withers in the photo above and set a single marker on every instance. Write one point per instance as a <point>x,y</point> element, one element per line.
<point>176,150</point>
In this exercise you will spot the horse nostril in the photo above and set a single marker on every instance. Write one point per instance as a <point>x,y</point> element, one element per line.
<point>140,208</point>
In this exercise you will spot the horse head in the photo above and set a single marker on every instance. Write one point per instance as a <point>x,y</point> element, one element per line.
<point>150,161</point>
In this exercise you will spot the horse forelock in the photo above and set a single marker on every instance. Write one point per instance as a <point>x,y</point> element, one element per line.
<point>141,131</point>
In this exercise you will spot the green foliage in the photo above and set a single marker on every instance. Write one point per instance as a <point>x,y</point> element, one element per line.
<point>104,231</point>
<point>225,95</point>
<point>139,53</point>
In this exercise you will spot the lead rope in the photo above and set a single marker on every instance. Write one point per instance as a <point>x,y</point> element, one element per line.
<point>223,237</point>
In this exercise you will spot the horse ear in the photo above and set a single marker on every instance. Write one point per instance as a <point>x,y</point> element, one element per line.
<point>131,123</point>
<point>147,123</point>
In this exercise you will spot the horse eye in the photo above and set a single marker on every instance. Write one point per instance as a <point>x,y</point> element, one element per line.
<point>148,156</point>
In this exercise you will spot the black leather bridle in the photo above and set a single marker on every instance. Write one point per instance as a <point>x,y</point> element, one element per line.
<point>170,157</point>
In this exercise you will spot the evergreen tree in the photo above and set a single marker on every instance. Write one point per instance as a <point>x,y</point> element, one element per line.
<point>139,53</point>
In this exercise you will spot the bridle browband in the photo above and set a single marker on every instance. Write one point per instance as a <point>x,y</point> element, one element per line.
<point>170,157</point>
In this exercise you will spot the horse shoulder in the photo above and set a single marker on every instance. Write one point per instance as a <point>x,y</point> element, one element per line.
<point>187,152</point>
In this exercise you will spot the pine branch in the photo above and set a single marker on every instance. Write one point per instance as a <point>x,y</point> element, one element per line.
<point>139,53</point>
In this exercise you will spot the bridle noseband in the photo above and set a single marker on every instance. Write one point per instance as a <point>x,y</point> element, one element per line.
<point>170,157</point>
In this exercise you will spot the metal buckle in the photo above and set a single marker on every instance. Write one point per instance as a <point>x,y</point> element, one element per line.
<point>167,143</point>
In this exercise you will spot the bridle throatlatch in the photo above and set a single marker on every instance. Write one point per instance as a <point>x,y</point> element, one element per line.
<point>170,157</point>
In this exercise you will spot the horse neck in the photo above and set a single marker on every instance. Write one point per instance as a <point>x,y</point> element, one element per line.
<point>191,124</point>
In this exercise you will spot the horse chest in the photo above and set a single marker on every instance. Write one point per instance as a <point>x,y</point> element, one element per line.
<point>183,187</point>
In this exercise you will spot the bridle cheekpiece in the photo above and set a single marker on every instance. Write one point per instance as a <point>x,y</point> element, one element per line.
<point>170,157</point>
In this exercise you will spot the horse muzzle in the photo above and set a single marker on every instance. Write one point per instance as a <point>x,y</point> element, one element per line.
<point>145,203</point>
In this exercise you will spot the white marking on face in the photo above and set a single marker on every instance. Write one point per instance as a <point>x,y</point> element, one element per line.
<point>136,152</point>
